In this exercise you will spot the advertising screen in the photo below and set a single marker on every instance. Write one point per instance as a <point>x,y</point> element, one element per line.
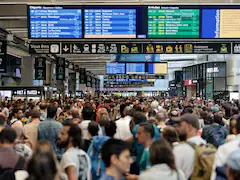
<point>156,68</point>
<point>115,68</point>
<point>135,68</point>
<point>110,23</point>
<point>55,22</point>
<point>172,22</point>
<point>220,23</point>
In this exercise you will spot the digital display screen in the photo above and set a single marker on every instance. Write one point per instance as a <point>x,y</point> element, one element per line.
<point>115,68</point>
<point>220,23</point>
<point>135,68</point>
<point>55,22</point>
<point>110,23</point>
<point>173,22</point>
<point>156,68</point>
<point>135,58</point>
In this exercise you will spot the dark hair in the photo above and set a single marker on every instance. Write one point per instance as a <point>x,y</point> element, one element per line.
<point>87,113</point>
<point>187,110</point>
<point>148,127</point>
<point>42,166</point>
<point>234,110</point>
<point>217,118</point>
<point>15,110</point>
<point>238,125</point>
<point>51,111</point>
<point>170,134</point>
<point>8,136</point>
<point>234,173</point>
<point>113,147</point>
<point>110,128</point>
<point>2,120</point>
<point>233,123</point>
<point>43,106</point>
<point>152,113</point>
<point>35,113</point>
<point>161,152</point>
<point>139,118</point>
<point>93,128</point>
<point>122,107</point>
<point>76,133</point>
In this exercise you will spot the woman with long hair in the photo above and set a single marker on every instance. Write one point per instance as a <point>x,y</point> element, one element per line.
<point>163,163</point>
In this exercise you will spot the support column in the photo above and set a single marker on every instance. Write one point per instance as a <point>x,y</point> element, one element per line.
<point>27,71</point>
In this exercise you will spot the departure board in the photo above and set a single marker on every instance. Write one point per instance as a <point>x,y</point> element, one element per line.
<point>135,68</point>
<point>110,23</point>
<point>115,68</point>
<point>173,23</point>
<point>55,22</point>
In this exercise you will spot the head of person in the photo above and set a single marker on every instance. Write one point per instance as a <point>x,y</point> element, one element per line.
<point>42,166</point>
<point>152,115</point>
<point>233,165</point>
<point>174,113</point>
<point>218,118</point>
<point>122,108</point>
<point>116,155</point>
<point>93,129</point>
<point>187,126</point>
<point>110,129</point>
<point>161,117</point>
<point>145,132</point>
<point>70,136</point>
<point>87,113</point>
<point>2,122</point>
<point>233,124</point>
<point>104,119</point>
<point>101,111</point>
<point>170,134</point>
<point>155,105</point>
<point>18,113</point>
<point>75,116</point>
<point>234,110</point>
<point>161,153</point>
<point>127,111</point>
<point>51,112</point>
<point>8,137</point>
<point>35,114</point>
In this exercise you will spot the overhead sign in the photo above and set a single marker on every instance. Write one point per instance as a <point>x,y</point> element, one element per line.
<point>26,92</point>
<point>40,68</point>
<point>190,82</point>
<point>60,69</point>
<point>132,48</point>
<point>44,48</point>
<point>3,56</point>
<point>236,48</point>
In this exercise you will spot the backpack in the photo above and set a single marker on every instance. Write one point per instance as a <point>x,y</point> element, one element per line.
<point>94,152</point>
<point>204,159</point>
<point>9,173</point>
<point>217,135</point>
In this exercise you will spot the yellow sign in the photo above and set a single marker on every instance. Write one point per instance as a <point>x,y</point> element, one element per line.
<point>149,48</point>
<point>188,48</point>
<point>178,49</point>
<point>134,49</point>
<point>159,48</point>
<point>224,49</point>
<point>124,49</point>
<point>169,49</point>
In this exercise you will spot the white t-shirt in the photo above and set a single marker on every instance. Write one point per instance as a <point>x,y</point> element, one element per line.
<point>123,128</point>
<point>80,160</point>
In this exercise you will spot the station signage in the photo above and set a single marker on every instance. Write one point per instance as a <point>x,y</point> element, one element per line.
<point>3,56</point>
<point>26,92</point>
<point>40,68</point>
<point>133,48</point>
<point>60,68</point>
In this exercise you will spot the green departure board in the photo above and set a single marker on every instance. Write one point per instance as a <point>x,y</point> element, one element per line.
<point>173,23</point>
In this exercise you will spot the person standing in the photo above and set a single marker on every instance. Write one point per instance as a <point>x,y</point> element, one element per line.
<point>75,162</point>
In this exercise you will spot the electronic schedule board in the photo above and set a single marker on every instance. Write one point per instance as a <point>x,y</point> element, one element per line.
<point>134,22</point>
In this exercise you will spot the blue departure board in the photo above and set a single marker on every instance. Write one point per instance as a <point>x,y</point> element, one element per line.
<point>135,68</point>
<point>55,22</point>
<point>110,23</point>
<point>115,68</point>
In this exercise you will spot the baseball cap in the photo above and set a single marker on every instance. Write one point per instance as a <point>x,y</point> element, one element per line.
<point>189,118</point>
<point>233,160</point>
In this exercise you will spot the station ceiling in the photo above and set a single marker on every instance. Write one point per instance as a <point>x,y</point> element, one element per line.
<point>13,18</point>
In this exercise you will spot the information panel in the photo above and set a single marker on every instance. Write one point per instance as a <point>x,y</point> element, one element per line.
<point>173,22</point>
<point>220,23</point>
<point>115,68</point>
<point>55,22</point>
<point>135,68</point>
<point>110,23</point>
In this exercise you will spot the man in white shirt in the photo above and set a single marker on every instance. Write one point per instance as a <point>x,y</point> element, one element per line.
<point>123,125</point>
<point>188,126</point>
<point>225,150</point>
<point>75,162</point>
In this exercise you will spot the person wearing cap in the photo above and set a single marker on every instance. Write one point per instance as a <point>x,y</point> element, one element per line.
<point>233,166</point>
<point>187,127</point>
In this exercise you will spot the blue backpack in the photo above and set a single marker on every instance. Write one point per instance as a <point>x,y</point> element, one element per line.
<point>217,136</point>
<point>94,152</point>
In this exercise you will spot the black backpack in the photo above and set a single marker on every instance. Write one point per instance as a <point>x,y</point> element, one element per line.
<point>9,173</point>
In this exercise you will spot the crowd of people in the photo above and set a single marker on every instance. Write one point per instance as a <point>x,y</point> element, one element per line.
<point>117,138</point>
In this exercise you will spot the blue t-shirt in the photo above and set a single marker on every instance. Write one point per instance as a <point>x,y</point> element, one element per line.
<point>108,177</point>
<point>145,160</point>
